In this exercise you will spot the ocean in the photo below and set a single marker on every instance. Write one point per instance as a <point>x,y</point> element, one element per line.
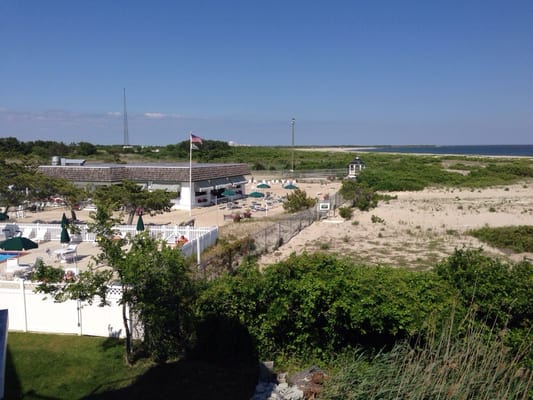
<point>522,150</point>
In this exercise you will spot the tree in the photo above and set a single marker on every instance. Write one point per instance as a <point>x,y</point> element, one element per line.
<point>362,196</point>
<point>297,201</point>
<point>86,149</point>
<point>72,196</point>
<point>131,197</point>
<point>20,182</point>
<point>156,284</point>
<point>11,146</point>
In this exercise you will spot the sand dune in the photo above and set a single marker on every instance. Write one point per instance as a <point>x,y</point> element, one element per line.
<point>418,228</point>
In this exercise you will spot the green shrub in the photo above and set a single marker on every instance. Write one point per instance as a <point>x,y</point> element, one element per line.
<point>362,196</point>
<point>515,238</point>
<point>376,220</point>
<point>346,212</point>
<point>317,304</point>
<point>324,246</point>
<point>298,200</point>
<point>500,293</point>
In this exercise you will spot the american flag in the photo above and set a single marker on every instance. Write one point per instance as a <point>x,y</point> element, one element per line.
<point>196,139</point>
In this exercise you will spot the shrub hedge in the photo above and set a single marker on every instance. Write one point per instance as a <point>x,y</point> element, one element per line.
<point>318,304</point>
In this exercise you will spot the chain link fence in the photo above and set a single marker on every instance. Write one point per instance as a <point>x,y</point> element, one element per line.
<point>270,236</point>
<point>284,229</point>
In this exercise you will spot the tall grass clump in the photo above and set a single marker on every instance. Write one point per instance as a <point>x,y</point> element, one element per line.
<point>472,365</point>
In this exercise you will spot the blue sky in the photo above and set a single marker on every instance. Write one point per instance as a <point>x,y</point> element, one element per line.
<point>350,72</point>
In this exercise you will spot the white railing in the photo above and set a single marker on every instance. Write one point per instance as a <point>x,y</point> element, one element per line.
<point>199,238</point>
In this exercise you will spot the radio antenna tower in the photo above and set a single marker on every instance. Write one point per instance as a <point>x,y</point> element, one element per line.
<point>126,135</point>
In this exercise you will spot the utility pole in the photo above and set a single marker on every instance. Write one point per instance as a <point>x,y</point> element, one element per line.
<point>126,134</point>
<point>292,126</point>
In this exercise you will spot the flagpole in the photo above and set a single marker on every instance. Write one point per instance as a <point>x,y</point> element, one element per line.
<point>190,174</point>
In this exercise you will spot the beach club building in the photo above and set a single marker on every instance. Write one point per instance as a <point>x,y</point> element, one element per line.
<point>203,184</point>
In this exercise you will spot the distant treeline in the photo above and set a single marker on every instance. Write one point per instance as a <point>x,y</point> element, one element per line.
<point>12,147</point>
<point>257,157</point>
<point>384,172</point>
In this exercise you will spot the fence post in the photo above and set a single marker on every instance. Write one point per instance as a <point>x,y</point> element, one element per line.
<point>4,322</point>
<point>198,250</point>
<point>80,322</point>
<point>24,307</point>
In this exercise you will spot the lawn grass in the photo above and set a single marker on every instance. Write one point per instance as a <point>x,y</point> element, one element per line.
<point>43,366</point>
<point>65,367</point>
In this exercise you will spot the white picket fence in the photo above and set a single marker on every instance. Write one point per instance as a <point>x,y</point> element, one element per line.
<point>36,312</point>
<point>53,231</point>
<point>199,238</point>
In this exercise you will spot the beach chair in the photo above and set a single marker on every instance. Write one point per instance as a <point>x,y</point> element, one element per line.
<point>27,233</point>
<point>68,254</point>
<point>12,264</point>
<point>17,270</point>
<point>42,235</point>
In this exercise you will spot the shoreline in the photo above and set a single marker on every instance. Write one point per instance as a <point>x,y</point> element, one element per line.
<point>372,149</point>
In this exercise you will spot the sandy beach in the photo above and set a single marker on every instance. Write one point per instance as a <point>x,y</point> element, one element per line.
<point>415,230</point>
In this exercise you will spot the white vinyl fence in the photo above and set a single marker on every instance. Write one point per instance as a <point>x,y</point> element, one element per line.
<point>35,312</point>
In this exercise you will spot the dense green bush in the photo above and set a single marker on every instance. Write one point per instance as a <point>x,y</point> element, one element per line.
<point>360,194</point>
<point>394,172</point>
<point>297,201</point>
<point>500,293</point>
<point>317,304</point>
<point>346,212</point>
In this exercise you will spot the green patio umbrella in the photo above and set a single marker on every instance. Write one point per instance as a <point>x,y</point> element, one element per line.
<point>18,243</point>
<point>64,221</point>
<point>3,216</point>
<point>290,186</point>
<point>140,224</point>
<point>263,186</point>
<point>256,194</point>
<point>65,237</point>
<point>228,192</point>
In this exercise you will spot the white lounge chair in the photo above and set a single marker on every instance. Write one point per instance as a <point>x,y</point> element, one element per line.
<point>42,235</point>
<point>27,233</point>
<point>13,266</point>
<point>68,254</point>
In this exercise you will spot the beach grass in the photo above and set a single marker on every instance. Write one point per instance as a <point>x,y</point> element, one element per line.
<point>518,239</point>
<point>473,365</point>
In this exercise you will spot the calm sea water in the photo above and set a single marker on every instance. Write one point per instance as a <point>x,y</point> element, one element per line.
<point>482,150</point>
